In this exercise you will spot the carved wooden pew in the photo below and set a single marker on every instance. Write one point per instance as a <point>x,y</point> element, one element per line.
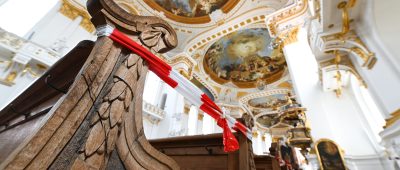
<point>19,118</point>
<point>206,152</point>
<point>97,123</point>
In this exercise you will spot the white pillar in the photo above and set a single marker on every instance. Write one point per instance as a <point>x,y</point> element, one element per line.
<point>208,124</point>
<point>303,69</point>
<point>193,116</point>
<point>267,142</point>
<point>258,143</point>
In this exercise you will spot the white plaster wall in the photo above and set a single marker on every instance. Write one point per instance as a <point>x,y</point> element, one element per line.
<point>55,26</point>
<point>19,16</point>
<point>9,93</point>
<point>303,71</point>
<point>166,125</point>
<point>378,28</point>
<point>148,128</point>
<point>386,16</point>
<point>349,131</point>
<point>376,162</point>
<point>338,119</point>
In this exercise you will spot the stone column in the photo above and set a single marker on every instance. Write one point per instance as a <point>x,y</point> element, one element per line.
<point>208,124</point>
<point>303,69</point>
<point>193,115</point>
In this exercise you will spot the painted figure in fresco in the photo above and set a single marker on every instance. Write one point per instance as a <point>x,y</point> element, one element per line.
<point>330,156</point>
<point>191,8</point>
<point>244,56</point>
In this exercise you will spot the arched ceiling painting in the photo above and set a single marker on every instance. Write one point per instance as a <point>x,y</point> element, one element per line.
<point>191,11</point>
<point>243,58</point>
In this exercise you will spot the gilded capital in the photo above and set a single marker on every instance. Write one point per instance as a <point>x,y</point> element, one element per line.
<point>290,36</point>
<point>72,11</point>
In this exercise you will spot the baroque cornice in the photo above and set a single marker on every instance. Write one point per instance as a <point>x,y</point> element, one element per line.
<point>183,63</point>
<point>245,99</point>
<point>351,43</point>
<point>73,9</point>
<point>205,84</point>
<point>244,20</point>
<point>286,14</point>
<point>226,8</point>
<point>345,65</point>
<point>248,18</point>
<point>212,23</point>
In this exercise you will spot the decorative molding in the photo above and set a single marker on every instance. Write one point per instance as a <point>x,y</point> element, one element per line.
<point>349,43</point>
<point>22,52</point>
<point>72,10</point>
<point>200,117</point>
<point>189,20</point>
<point>153,113</point>
<point>11,40</point>
<point>200,41</point>
<point>395,117</point>
<point>246,98</point>
<point>184,64</point>
<point>347,40</point>
<point>205,84</point>
<point>345,64</point>
<point>128,6</point>
<point>284,15</point>
<point>289,36</point>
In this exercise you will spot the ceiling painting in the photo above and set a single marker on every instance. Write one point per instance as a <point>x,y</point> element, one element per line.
<point>191,11</point>
<point>243,58</point>
<point>191,8</point>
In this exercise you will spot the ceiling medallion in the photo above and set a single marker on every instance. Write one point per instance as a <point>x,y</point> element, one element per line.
<point>245,59</point>
<point>191,11</point>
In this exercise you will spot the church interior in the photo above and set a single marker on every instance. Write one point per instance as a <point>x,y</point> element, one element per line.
<point>200,84</point>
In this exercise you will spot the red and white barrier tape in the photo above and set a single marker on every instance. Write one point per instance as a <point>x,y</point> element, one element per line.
<point>186,88</point>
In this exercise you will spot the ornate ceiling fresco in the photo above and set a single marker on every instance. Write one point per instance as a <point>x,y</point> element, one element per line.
<point>243,58</point>
<point>191,8</point>
<point>191,11</point>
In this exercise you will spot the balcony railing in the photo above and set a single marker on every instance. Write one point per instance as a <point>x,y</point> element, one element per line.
<point>153,113</point>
